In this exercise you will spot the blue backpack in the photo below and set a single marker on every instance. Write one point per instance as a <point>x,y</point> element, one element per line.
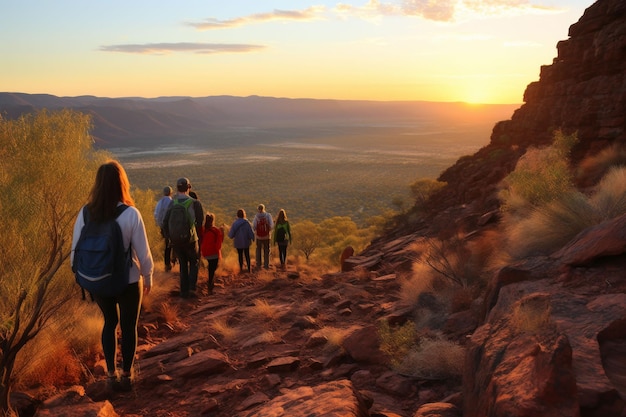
<point>101,265</point>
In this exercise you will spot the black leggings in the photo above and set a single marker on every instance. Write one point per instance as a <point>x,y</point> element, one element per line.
<point>122,309</point>
<point>213,263</point>
<point>282,252</point>
<point>241,252</point>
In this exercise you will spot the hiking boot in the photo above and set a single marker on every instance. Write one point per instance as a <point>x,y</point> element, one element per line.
<point>111,382</point>
<point>125,384</point>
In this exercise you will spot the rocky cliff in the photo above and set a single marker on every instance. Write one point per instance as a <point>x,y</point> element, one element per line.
<point>582,91</point>
<point>551,338</point>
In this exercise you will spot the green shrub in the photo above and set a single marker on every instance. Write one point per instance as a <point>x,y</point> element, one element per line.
<point>48,166</point>
<point>540,177</point>
<point>396,341</point>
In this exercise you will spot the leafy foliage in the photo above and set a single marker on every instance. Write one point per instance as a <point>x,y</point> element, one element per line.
<point>540,177</point>
<point>47,170</point>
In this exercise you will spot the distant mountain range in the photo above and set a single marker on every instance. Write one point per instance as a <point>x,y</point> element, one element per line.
<point>123,121</point>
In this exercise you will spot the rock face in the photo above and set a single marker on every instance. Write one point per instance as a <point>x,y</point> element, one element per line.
<point>583,91</point>
<point>555,340</point>
<point>553,337</point>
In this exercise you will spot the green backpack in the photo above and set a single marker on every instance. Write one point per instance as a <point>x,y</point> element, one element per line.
<point>180,226</point>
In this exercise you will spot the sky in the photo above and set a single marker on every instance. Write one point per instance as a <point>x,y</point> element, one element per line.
<point>433,50</point>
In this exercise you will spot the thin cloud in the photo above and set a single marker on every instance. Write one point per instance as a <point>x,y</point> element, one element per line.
<point>441,10</point>
<point>168,48</point>
<point>311,13</point>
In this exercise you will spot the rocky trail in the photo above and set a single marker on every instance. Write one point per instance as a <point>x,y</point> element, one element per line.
<point>287,344</point>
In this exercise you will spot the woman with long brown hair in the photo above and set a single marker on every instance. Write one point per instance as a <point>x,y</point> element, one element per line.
<point>282,236</point>
<point>110,190</point>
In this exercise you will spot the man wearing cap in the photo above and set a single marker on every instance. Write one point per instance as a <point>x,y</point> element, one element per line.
<point>187,253</point>
<point>159,215</point>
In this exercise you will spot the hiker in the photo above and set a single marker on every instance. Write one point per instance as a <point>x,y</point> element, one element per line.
<point>110,190</point>
<point>262,226</point>
<point>159,215</point>
<point>282,236</point>
<point>243,236</point>
<point>182,223</point>
<point>211,249</point>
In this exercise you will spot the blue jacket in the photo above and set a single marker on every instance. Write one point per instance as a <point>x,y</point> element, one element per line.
<point>241,233</point>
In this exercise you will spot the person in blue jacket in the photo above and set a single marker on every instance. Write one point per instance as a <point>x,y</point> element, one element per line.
<point>243,236</point>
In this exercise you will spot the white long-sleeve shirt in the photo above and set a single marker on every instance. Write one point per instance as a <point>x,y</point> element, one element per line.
<point>133,232</point>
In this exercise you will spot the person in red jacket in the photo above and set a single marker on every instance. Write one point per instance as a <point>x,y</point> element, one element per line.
<point>211,248</point>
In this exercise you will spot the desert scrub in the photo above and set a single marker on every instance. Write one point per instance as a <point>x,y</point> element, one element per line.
<point>540,177</point>
<point>531,314</point>
<point>396,341</point>
<point>433,358</point>
<point>549,227</point>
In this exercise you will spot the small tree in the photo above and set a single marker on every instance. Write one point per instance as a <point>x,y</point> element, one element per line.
<point>307,237</point>
<point>47,169</point>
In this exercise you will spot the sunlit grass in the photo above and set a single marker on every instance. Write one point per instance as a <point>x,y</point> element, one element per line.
<point>334,337</point>
<point>170,313</point>
<point>222,328</point>
<point>264,310</point>
<point>56,356</point>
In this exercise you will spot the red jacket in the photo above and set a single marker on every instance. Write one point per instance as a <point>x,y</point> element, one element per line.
<point>212,239</point>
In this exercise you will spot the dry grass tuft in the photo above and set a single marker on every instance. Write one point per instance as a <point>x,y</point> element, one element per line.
<point>434,358</point>
<point>334,337</point>
<point>221,327</point>
<point>609,198</point>
<point>160,291</point>
<point>532,314</point>
<point>170,313</point>
<point>550,227</point>
<point>263,309</point>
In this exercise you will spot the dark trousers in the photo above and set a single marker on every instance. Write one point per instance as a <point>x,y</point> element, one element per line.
<point>129,303</point>
<point>241,253</point>
<point>282,252</point>
<point>213,263</point>
<point>167,255</point>
<point>188,263</point>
